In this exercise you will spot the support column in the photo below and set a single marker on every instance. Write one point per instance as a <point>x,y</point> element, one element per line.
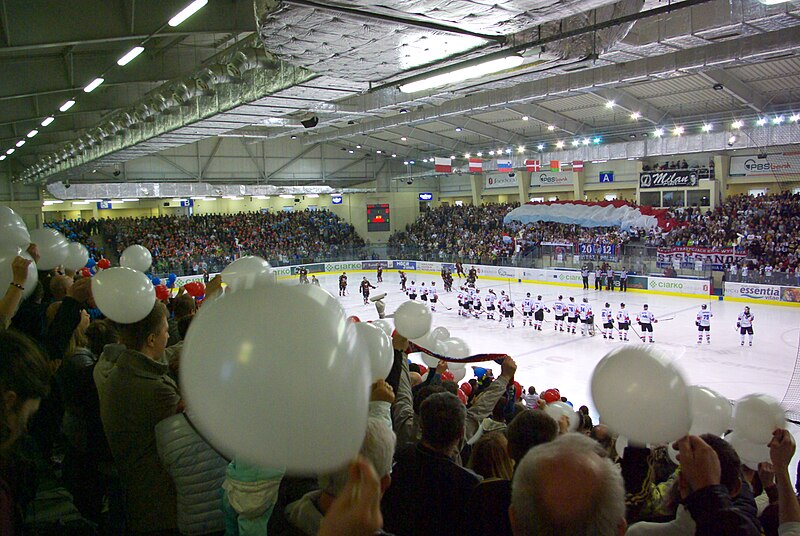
<point>477,188</point>
<point>577,179</point>
<point>721,172</point>
<point>524,181</point>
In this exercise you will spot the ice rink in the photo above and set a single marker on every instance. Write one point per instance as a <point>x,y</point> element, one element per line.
<point>553,359</point>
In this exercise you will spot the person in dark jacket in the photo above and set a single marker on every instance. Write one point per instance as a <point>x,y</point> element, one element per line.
<point>429,490</point>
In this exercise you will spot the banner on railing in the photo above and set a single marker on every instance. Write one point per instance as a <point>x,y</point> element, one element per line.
<point>716,257</point>
<point>790,294</point>
<point>429,266</point>
<point>752,291</point>
<point>343,266</point>
<point>679,178</point>
<point>681,286</point>
<point>501,180</point>
<point>374,265</point>
<point>551,178</point>
<point>637,282</point>
<point>404,265</point>
<point>768,165</point>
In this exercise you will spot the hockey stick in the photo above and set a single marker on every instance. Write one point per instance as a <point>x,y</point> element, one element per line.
<point>667,319</point>
<point>443,305</point>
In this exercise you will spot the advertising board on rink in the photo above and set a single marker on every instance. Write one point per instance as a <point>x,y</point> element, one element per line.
<point>752,291</point>
<point>700,287</point>
<point>404,265</point>
<point>429,266</point>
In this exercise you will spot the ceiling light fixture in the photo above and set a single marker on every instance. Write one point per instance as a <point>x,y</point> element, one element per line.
<point>658,132</point>
<point>33,133</point>
<point>491,153</point>
<point>187,12</point>
<point>525,118</point>
<point>635,116</point>
<point>48,120</point>
<point>466,155</point>
<point>586,141</point>
<point>575,143</point>
<point>379,151</point>
<point>597,141</point>
<point>559,144</point>
<point>737,124</point>
<point>465,73</point>
<point>403,138</point>
<point>3,157</point>
<point>521,149</point>
<point>610,104</point>
<point>67,105</point>
<point>778,120</point>
<point>551,128</point>
<point>677,131</point>
<point>479,154</point>
<point>540,146</point>
<point>761,121</point>
<point>707,127</point>
<point>11,151</point>
<point>129,56</point>
<point>20,143</point>
<point>394,155</point>
<point>93,85</point>
<point>458,129</point>
<point>794,118</point>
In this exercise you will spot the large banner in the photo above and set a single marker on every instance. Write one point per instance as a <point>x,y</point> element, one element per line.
<point>374,265</point>
<point>752,291</point>
<point>678,178</point>
<point>342,266</point>
<point>501,180</point>
<point>637,282</point>
<point>404,265</point>
<point>768,166</point>
<point>551,178</point>
<point>716,257</point>
<point>790,294</point>
<point>682,286</point>
<point>429,266</point>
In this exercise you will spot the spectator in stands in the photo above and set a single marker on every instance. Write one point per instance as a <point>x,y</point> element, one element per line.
<point>182,306</point>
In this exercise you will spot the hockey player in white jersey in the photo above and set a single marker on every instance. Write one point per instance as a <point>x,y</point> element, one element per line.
<point>433,295</point>
<point>646,319</point>
<point>508,311</point>
<point>501,308</point>
<point>703,323</point>
<point>560,310</point>
<point>623,322</point>
<point>491,298</point>
<point>411,290</point>
<point>745,324</point>
<point>586,316</point>
<point>461,299</point>
<point>527,310</point>
<point>423,292</point>
<point>572,316</point>
<point>607,318</point>
<point>477,300</point>
<point>538,313</point>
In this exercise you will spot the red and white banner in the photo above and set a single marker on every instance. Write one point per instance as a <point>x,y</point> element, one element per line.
<point>716,256</point>
<point>533,165</point>
<point>475,165</point>
<point>442,165</point>
<point>577,165</point>
<point>592,214</point>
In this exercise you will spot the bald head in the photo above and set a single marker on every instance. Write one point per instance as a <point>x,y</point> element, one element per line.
<point>59,285</point>
<point>415,378</point>
<point>568,486</point>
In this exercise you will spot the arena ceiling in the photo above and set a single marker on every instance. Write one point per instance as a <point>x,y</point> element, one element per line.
<point>266,71</point>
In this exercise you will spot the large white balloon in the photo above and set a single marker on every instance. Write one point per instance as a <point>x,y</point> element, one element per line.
<point>440,333</point>
<point>429,360</point>
<point>750,452</point>
<point>620,444</point>
<point>458,374</point>
<point>379,349</point>
<point>247,273</point>
<point>7,256</point>
<point>137,258</point>
<point>756,416</point>
<point>711,412</point>
<point>385,325</point>
<point>52,247</point>
<point>558,409</point>
<point>13,231</point>
<point>77,256</point>
<point>454,348</point>
<point>275,377</point>
<point>642,396</point>
<point>413,319</point>
<point>123,294</point>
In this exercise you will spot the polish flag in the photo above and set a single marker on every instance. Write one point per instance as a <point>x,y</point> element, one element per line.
<point>504,165</point>
<point>533,165</point>
<point>554,165</point>
<point>475,165</point>
<point>442,165</point>
<point>577,165</point>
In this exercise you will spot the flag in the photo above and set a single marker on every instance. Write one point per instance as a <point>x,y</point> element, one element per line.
<point>554,165</point>
<point>442,165</point>
<point>577,165</point>
<point>533,165</point>
<point>504,165</point>
<point>475,165</point>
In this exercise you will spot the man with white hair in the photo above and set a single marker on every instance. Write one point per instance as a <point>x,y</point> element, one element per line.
<point>568,486</point>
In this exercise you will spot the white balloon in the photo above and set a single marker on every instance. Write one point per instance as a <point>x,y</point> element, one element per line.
<point>751,451</point>
<point>385,325</point>
<point>620,444</point>
<point>711,412</point>
<point>7,256</point>
<point>137,258</point>
<point>756,416</point>
<point>52,247</point>
<point>429,360</point>
<point>13,231</point>
<point>458,374</point>
<point>77,256</point>
<point>379,348</point>
<point>642,396</point>
<point>454,348</point>
<point>275,377</point>
<point>124,295</point>
<point>456,366</point>
<point>426,341</point>
<point>413,319</point>
<point>557,409</point>
<point>673,454</point>
<point>440,333</point>
<point>247,273</point>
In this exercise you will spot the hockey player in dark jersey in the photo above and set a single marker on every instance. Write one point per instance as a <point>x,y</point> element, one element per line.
<point>343,284</point>
<point>365,286</point>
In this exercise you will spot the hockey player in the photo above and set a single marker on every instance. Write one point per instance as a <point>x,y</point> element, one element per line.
<point>411,290</point>
<point>460,297</point>
<point>491,298</point>
<point>433,295</point>
<point>314,280</point>
<point>460,270</point>
<point>703,323</point>
<point>572,316</point>
<point>623,322</point>
<point>472,276</point>
<point>607,317</point>
<point>501,308</point>
<point>538,313</point>
<point>343,284</point>
<point>403,280</point>
<point>423,292</point>
<point>586,315</point>
<point>365,286</point>
<point>623,280</point>
<point>508,311</point>
<point>598,278</point>
<point>527,310</point>
<point>476,303</point>
<point>745,323</point>
<point>560,310</point>
<point>467,302</point>
<point>380,274</point>
<point>585,277</point>
<point>303,276</point>
<point>646,319</point>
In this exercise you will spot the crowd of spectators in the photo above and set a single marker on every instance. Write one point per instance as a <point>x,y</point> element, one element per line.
<point>83,231</point>
<point>193,244</point>
<point>96,438</point>
<point>705,171</point>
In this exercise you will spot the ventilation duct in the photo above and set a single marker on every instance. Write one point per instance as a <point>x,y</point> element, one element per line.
<point>183,93</point>
<point>210,77</point>
<point>246,60</point>
<point>144,113</point>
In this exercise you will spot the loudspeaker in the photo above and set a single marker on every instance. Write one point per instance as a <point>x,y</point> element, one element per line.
<point>310,122</point>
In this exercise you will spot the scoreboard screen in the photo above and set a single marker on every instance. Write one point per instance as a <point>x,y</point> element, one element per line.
<point>378,217</point>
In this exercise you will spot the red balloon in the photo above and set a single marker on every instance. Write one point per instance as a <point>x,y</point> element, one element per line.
<point>462,397</point>
<point>104,264</point>
<point>85,272</point>
<point>551,396</point>
<point>517,391</point>
<point>447,376</point>
<point>422,369</point>
<point>466,387</point>
<point>354,319</point>
<point>162,293</point>
<point>195,289</point>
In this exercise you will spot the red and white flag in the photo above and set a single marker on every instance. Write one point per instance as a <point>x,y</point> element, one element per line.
<point>533,165</point>
<point>577,165</point>
<point>475,165</point>
<point>442,165</point>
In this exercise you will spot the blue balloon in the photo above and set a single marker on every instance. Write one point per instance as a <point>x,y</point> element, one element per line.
<point>480,372</point>
<point>172,277</point>
<point>91,262</point>
<point>570,404</point>
<point>156,280</point>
